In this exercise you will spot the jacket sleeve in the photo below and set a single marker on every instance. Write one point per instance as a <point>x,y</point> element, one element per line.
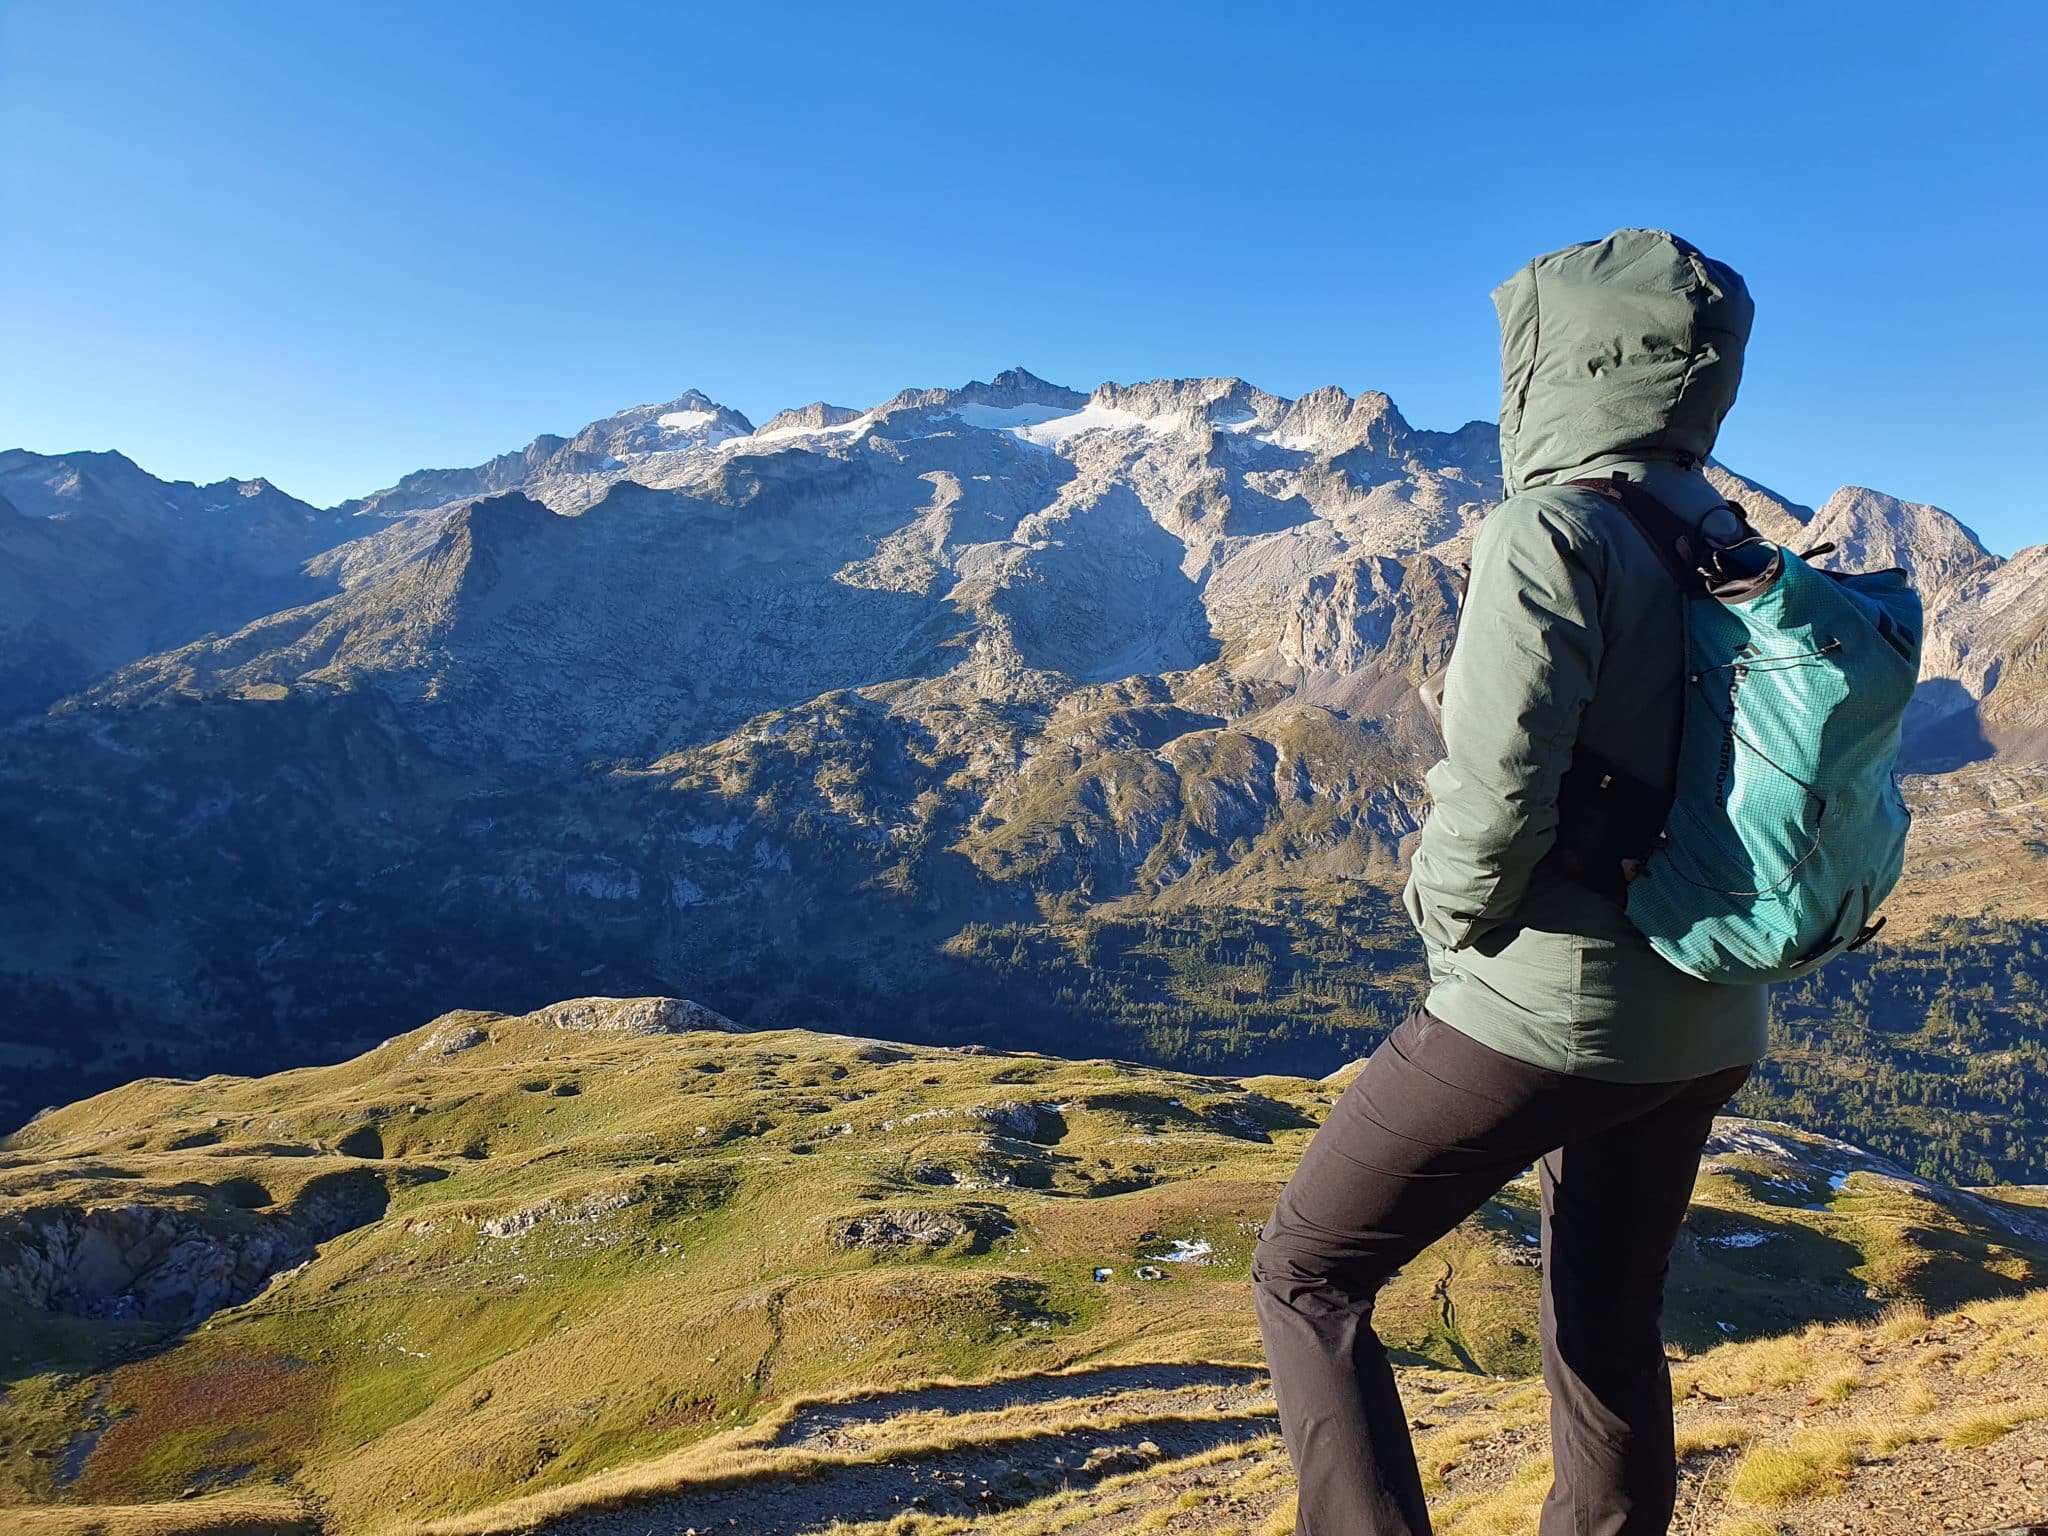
<point>1526,660</point>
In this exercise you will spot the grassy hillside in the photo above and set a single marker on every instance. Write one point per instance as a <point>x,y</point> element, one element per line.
<point>1926,1050</point>
<point>520,1254</point>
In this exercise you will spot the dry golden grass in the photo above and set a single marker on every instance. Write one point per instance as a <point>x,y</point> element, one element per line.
<point>1510,1510</point>
<point>1125,1495</point>
<point>1700,1439</point>
<point>1838,1387</point>
<point>1815,1461</point>
<point>1967,1428</point>
<point>185,1517</point>
<point>1981,1430</point>
<point>1917,1399</point>
<point>1748,1525</point>
<point>1900,1321</point>
<point>1981,1364</point>
<point>1765,1365</point>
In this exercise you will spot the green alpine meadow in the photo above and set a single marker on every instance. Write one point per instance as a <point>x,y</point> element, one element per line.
<point>617,1261</point>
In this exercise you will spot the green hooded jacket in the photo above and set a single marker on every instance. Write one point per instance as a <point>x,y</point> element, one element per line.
<point>1618,355</point>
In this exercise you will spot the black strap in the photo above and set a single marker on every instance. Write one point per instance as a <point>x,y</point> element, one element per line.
<point>1675,541</point>
<point>1606,816</point>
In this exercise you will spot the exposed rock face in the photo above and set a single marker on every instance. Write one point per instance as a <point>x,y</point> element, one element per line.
<point>1984,684</point>
<point>589,1211</point>
<point>1353,618</point>
<point>450,1039</point>
<point>691,421</point>
<point>1781,521</point>
<point>1025,1122</point>
<point>1872,531</point>
<point>671,703</point>
<point>1011,387</point>
<point>162,1264</point>
<point>1821,1165</point>
<point>635,1015</point>
<point>921,1227</point>
<point>810,417</point>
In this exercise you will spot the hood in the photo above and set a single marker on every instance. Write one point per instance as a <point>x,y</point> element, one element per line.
<point>1627,346</point>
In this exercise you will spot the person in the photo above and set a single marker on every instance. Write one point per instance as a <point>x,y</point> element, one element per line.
<point>1551,1032</point>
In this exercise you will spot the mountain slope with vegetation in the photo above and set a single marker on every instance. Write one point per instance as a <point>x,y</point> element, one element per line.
<point>1104,699</point>
<point>616,1249</point>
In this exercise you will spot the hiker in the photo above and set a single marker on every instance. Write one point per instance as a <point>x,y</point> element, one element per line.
<point>1552,1031</point>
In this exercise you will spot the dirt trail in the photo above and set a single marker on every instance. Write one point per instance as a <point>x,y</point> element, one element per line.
<point>1447,1314</point>
<point>829,1424</point>
<point>1193,1411</point>
<point>1181,1450</point>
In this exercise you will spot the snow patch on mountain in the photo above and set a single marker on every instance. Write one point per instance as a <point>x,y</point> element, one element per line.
<point>814,416</point>
<point>1006,418</point>
<point>852,427</point>
<point>1152,526</point>
<point>1052,431</point>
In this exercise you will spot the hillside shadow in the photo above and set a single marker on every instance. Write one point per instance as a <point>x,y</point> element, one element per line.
<point>1943,729</point>
<point>1112,603</point>
<point>1762,1276</point>
<point>819,1420</point>
<point>961,1481</point>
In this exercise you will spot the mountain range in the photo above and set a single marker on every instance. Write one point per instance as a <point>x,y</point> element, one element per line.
<point>933,716</point>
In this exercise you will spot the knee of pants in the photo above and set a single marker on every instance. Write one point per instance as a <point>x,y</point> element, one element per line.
<point>1606,1301</point>
<point>1284,1272</point>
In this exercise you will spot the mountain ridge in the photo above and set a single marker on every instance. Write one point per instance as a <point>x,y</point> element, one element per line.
<point>767,714</point>
<point>1363,440</point>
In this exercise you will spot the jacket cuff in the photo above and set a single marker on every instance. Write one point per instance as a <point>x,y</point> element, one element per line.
<point>1436,931</point>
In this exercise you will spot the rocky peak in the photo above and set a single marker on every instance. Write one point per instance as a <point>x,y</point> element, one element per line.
<point>51,485</point>
<point>691,420</point>
<point>1330,421</point>
<point>111,487</point>
<point>633,1015</point>
<point>1325,421</point>
<point>1223,402</point>
<point>1779,520</point>
<point>509,514</point>
<point>815,417</point>
<point>1010,388</point>
<point>1020,386</point>
<point>425,489</point>
<point>1873,531</point>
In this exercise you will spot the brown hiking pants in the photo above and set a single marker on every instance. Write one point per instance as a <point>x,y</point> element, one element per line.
<point>1432,1126</point>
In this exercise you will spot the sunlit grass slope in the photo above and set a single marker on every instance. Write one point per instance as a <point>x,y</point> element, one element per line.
<point>595,1236</point>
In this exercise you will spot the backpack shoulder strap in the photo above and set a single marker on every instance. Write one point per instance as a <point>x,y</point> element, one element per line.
<point>1677,544</point>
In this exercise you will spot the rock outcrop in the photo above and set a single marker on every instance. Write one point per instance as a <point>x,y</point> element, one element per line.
<point>169,1265</point>
<point>634,1015</point>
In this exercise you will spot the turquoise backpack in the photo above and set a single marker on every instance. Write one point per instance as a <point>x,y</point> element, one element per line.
<point>1786,830</point>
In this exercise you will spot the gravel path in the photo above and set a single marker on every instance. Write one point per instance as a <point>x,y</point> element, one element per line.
<point>1160,1414</point>
<point>1194,1451</point>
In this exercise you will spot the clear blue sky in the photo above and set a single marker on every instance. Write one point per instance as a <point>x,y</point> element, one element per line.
<point>329,243</point>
